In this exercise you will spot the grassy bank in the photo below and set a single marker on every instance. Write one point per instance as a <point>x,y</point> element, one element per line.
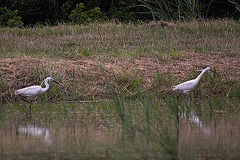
<point>133,59</point>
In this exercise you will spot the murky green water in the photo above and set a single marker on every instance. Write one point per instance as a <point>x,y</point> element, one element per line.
<point>80,131</point>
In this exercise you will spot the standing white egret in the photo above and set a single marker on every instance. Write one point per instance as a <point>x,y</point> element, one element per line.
<point>186,87</point>
<point>35,90</point>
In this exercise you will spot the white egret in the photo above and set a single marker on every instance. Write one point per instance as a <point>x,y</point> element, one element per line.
<point>35,90</point>
<point>187,86</point>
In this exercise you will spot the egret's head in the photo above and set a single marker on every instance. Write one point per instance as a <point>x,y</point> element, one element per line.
<point>206,69</point>
<point>209,69</point>
<point>50,79</point>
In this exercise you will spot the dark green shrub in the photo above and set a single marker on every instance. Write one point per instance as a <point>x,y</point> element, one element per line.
<point>66,9</point>
<point>9,18</point>
<point>122,11</point>
<point>79,16</point>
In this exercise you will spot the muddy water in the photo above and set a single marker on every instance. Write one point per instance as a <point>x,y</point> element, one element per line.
<point>75,137</point>
<point>216,139</point>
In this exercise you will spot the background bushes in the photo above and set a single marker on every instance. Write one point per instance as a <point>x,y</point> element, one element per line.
<point>30,12</point>
<point>10,18</point>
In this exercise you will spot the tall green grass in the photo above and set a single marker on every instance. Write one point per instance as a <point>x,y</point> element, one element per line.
<point>124,112</point>
<point>6,92</point>
<point>179,9</point>
<point>172,10</point>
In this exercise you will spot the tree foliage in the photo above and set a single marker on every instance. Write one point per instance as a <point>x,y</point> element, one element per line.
<point>15,13</point>
<point>79,16</point>
<point>10,18</point>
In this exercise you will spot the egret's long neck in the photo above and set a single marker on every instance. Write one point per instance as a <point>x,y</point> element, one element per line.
<point>200,75</point>
<point>46,88</point>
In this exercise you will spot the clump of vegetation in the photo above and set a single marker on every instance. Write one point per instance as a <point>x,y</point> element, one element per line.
<point>167,10</point>
<point>69,11</point>
<point>6,91</point>
<point>79,16</point>
<point>10,18</point>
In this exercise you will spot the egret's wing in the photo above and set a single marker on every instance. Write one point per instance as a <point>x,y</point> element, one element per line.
<point>29,91</point>
<point>189,85</point>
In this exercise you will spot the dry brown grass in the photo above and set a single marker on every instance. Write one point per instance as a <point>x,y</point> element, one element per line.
<point>91,74</point>
<point>128,56</point>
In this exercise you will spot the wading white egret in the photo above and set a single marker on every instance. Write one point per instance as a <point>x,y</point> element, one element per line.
<point>186,87</point>
<point>33,91</point>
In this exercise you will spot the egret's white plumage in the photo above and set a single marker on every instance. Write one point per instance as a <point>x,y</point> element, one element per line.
<point>35,90</point>
<point>187,86</point>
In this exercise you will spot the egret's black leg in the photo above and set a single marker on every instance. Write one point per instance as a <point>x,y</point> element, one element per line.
<point>178,96</point>
<point>190,95</point>
<point>30,105</point>
<point>30,111</point>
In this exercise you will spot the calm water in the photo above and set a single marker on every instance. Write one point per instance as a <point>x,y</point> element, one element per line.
<point>97,134</point>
